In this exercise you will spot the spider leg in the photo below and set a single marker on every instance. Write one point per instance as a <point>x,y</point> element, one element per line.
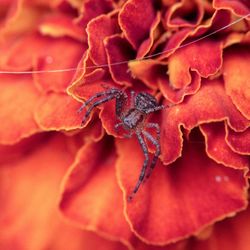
<point>94,105</point>
<point>145,164</point>
<point>121,101</point>
<point>125,135</point>
<point>90,100</point>
<point>157,151</point>
<point>132,99</point>
<point>111,91</point>
<point>154,109</point>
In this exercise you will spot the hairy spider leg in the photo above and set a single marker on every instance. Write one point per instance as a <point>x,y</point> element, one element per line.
<point>154,109</point>
<point>145,164</point>
<point>119,125</point>
<point>132,99</point>
<point>121,101</point>
<point>107,92</point>
<point>157,149</point>
<point>95,104</point>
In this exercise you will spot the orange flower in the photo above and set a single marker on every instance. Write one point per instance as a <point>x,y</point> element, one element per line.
<point>66,187</point>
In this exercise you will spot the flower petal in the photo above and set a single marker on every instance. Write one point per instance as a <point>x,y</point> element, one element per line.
<point>28,193</point>
<point>98,29</point>
<point>136,18</point>
<point>238,141</point>
<point>60,25</point>
<point>209,104</point>
<point>53,59</point>
<point>239,7</point>
<point>198,57</point>
<point>90,192</point>
<point>218,150</point>
<point>184,14</point>
<point>179,200</point>
<point>17,99</point>
<point>57,111</point>
<point>119,52</point>
<point>230,234</point>
<point>236,75</point>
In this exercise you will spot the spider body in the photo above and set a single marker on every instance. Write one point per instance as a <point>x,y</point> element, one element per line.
<point>132,115</point>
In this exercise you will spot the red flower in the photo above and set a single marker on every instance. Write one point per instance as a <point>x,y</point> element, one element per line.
<point>170,49</point>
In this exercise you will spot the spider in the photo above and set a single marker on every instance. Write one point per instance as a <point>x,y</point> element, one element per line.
<point>132,117</point>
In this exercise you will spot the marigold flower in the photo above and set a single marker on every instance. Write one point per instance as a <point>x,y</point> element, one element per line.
<point>66,187</point>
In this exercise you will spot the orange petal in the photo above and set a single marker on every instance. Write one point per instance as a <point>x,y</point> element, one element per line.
<point>198,57</point>
<point>209,104</point>
<point>98,29</point>
<point>57,111</point>
<point>28,194</point>
<point>90,192</point>
<point>52,58</point>
<point>238,141</point>
<point>135,19</point>
<point>238,7</point>
<point>217,148</point>
<point>236,75</point>
<point>181,199</point>
<point>230,234</point>
<point>18,96</point>
<point>59,25</point>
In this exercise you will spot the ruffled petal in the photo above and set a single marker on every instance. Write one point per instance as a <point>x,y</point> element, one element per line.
<point>209,104</point>
<point>18,96</point>
<point>184,14</point>
<point>98,29</point>
<point>236,75</point>
<point>119,52</point>
<point>230,234</point>
<point>136,18</point>
<point>238,141</point>
<point>181,199</point>
<point>90,192</point>
<point>217,148</point>
<point>239,7</point>
<point>198,57</point>
<point>56,111</point>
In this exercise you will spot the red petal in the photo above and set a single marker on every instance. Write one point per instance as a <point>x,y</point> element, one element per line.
<point>198,57</point>
<point>236,75</point>
<point>136,18</point>
<point>219,20</point>
<point>179,200</point>
<point>18,96</point>
<point>176,15</point>
<point>217,148</point>
<point>98,29</point>
<point>90,192</point>
<point>229,234</point>
<point>58,112</point>
<point>119,52</point>
<point>238,141</point>
<point>148,43</point>
<point>239,7</point>
<point>209,104</point>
